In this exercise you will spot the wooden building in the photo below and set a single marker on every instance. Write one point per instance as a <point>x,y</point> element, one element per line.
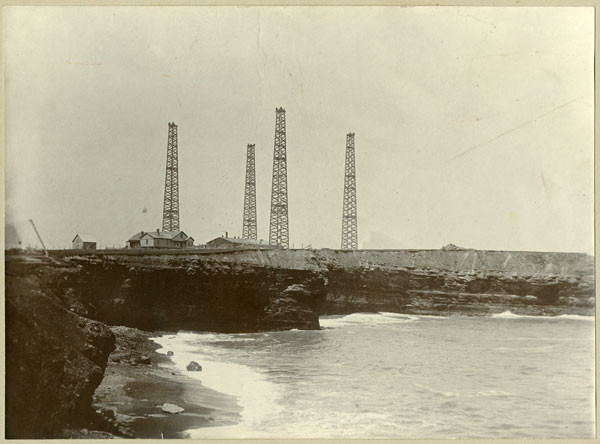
<point>84,242</point>
<point>160,239</point>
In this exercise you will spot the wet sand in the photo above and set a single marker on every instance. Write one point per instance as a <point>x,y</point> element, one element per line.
<point>135,391</point>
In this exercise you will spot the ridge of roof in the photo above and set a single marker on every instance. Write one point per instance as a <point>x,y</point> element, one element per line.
<point>85,237</point>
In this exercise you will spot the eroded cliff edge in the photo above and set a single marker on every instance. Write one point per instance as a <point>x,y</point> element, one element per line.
<point>461,282</point>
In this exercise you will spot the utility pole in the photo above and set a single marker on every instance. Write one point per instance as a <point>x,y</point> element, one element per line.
<point>171,201</point>
<point>39,237</point>
<point>249,225</point>
<point>278,226</point>
<point>349,220</point>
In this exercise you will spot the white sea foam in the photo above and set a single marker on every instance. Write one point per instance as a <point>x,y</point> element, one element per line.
<point>255,394</point>
<point>510,315</point>
<point>383,317</point>
<point>372,377</point>
<point>365,319</point>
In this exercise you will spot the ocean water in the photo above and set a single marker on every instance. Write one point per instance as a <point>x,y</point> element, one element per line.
<point>390,375</point>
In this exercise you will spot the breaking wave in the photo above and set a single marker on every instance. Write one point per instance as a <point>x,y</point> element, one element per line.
<point>510,315</point>
<point>254,392</point>
<point>365,319</point>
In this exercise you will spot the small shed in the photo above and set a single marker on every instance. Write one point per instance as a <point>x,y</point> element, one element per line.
<point>84,242</point>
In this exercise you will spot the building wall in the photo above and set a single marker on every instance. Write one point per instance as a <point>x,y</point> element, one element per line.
<point>180,237</point>
<point>147,242</point>
<point>77,243</point>
<point>150,242</point>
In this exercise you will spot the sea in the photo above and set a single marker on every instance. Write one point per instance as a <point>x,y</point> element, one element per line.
<point>390,375</point>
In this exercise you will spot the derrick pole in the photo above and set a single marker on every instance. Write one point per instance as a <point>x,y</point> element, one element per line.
<point>349,219</point>
<point>249,225</point>
<point>278,226</point>
<point>171,200</point>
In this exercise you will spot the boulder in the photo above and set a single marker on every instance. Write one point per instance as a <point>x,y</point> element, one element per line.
<point>144,360</point>
<point>170,353</point>
<point>171,408</point>
<point>194,367</point>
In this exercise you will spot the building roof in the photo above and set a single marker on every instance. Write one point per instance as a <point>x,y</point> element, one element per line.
<point>236,240</point>
<point>85,238</point>
<point>158,235</point>
<point>136,236</point>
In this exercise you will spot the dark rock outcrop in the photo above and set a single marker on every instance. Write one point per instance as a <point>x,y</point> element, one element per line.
<point>170,292</point>
<point>464,282</point>
<point>55,359</point>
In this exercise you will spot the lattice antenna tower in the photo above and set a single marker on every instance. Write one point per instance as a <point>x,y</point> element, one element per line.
<point>249,227</point>
<point>171,202</point>
<point>278,226</point>
<point>349,221</point>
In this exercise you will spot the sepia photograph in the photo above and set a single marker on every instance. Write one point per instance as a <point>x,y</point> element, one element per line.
<point>283,222</point>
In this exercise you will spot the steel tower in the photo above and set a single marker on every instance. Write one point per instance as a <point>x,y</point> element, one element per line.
<point>349,223</point>
<point>278,227</point>
<point>171,203</point>
<point>249,228</point>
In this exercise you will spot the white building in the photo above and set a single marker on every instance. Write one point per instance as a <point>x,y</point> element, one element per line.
<point>84,242</point>
<point>160,239</point>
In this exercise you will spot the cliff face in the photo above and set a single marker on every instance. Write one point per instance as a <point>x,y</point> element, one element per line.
<point>186,293</point>
<point>255,290</point>
<point>459,282</point>
<point>55,359</point>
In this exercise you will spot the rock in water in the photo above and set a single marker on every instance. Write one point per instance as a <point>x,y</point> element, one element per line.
<point>171,408</point>
<point>194,367</point>
<point>170,353</point>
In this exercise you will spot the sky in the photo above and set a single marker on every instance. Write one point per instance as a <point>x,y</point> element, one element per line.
<point>473,126</point>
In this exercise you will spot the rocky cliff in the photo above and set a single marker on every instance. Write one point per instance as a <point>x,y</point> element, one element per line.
<point>56,350</point>
<point>55,359</point>
<point>181,292</point>
<point>464,282</point>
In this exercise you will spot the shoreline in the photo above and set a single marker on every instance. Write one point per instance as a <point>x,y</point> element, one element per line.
<point>138,381</point>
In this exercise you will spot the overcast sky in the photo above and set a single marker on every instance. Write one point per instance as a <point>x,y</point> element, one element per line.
<point>474,126</point>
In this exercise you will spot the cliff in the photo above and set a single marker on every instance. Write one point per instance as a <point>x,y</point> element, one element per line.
<point>463,282</point>
<point>57,344</point>
<point>275,289</point>
<point>55,359</point>
<point>180,292</point>
<point>253,290</point>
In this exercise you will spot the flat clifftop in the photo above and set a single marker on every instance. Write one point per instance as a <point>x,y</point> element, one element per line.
<point>519,262</point>
<point>465,260</point>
